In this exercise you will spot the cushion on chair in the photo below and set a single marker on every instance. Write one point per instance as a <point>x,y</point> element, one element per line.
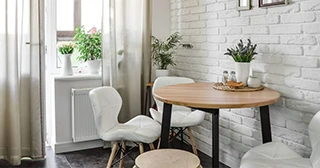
<point>139,129</point>
<point>273,155</point>
<point>181,118</point>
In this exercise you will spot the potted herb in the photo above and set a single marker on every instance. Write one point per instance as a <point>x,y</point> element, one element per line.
<point>88,44</point>
<point>242,55</point>
<point>162,52</point>
<point>66,49</point>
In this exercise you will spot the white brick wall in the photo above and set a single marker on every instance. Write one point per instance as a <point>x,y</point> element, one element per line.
<point>288,39</point>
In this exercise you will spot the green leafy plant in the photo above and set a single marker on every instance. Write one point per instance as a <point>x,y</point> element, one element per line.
<point>242,52</point>
<point>66,47</point>
<point>88,43</point>
<point>162,51</point>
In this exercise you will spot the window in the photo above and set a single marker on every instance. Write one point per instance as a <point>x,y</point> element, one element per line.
<point>74,13</point>
<point>68,17</point>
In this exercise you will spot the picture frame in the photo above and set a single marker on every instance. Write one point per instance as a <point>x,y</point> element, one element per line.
<point>243,5</point>
<point>271,3</point>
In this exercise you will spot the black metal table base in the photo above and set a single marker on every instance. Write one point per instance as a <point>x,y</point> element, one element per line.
<point>265,124</point>
<point>165,128</point>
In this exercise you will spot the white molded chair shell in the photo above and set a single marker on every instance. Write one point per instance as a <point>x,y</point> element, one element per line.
<point>314,135</point>
<point>106,103</point>
<point>273,155</point>
<point>278,155</point>
<point>181,116</point>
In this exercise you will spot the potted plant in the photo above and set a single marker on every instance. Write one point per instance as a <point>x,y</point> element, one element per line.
<point>66,49</point>
<point>88,44</point>
<point>242,55</point>
<point>162,52</point>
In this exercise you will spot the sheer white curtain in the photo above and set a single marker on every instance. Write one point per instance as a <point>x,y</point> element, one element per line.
<point>126,51</point>
<point>21,132</point>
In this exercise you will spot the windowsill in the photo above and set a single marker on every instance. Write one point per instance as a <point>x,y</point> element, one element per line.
<point>77,77</point>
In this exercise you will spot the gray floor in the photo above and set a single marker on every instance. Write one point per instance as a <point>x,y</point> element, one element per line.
<point>92,158</point>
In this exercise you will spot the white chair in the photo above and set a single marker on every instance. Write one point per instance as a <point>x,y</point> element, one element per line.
<point>182,117</point>
<point>278,155</point>
<point>106,103</point>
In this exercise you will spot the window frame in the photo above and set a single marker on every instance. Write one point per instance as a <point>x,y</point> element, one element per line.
<point>63,35</point>
<point>53,35</point>
<point>52,38</point>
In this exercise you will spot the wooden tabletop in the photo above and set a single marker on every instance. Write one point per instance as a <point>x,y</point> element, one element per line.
<point>172,158</point>
<point>202,95</point>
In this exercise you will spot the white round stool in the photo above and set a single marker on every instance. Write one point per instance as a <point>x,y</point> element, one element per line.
<point>169,158</point>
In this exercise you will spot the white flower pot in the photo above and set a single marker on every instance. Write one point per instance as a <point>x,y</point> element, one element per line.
<point>162,72</point>
<point>66,68</point>
<point>94,66</point>
<point>242,72</point>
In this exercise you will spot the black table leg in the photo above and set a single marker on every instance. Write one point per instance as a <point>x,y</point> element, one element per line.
<point>265,124</point>
<point>165,126</point>
<point>215,138</point>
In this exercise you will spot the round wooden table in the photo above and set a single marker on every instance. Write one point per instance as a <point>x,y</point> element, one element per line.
<point>203,97</point>
<point>172,158</point>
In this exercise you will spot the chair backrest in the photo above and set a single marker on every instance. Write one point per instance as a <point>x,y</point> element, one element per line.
<point>314,134</point>
<point>106,103</point>
<point>166,81</point>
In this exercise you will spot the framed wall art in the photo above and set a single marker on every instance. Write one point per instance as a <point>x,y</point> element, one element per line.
<point>271,3</point>
<point>243,5</point>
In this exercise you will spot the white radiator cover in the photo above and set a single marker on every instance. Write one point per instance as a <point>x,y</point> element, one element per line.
<point>83,125</point>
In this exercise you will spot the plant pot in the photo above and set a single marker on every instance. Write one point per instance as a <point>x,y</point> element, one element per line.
<point>94,66</point>
<point>66,67</point>
<point>162,72</point>
<point>242,72</point>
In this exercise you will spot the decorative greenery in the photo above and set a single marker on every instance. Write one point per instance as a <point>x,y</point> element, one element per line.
<point>88,43</point>
<point>66,47</point>
<point>162,51</point>
<point>242,53</point>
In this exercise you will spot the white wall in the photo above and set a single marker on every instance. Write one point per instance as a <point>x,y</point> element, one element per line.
<point>288,39</point>
<point>161,24</point>
<point>161,18</point>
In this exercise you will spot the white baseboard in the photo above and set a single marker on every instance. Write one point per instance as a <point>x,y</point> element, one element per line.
<point>71,146</point>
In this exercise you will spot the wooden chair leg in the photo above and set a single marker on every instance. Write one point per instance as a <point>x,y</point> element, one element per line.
<point>158,147</point>
<point>112,155</point>
<point>141,148</point>
<point>151,146</point>
<point>121,165</point>
<point>194,148</point>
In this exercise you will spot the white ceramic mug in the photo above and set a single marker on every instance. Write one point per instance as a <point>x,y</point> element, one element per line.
<point>254,82</point>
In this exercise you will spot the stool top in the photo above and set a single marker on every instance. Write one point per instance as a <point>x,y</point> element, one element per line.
<point>172,158</point>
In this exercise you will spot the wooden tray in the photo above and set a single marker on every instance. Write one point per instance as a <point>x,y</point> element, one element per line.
<point>220,86</point>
